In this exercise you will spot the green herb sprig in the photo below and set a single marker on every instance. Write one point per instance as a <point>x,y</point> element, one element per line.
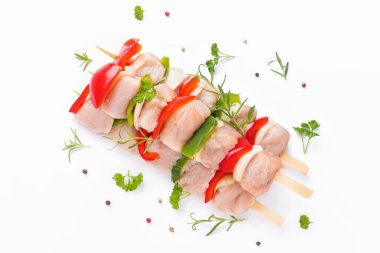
<point>132,137</point>
<point>139,13</point>
<point>74,145</point>
<point>177,195</point>
<point>84,59</point>
<point>147,90</point>
<point>307,130</point>
<point>284,69</point>
<point>304,221</point>
<point>132,181</point>
<point>218,220</point>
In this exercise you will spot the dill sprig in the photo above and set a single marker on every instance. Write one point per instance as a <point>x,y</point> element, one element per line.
<point>284,69</point>
<point>73,145</point>
<point>84,59</point>
<point>231,221</point>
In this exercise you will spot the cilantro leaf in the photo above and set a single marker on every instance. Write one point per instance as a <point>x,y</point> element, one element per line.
<point>177,194</point>
<point>304,221</point>
<point>147,90</point>
<point>132,181</point>
<point>139,13</point>
<point>307,131</point>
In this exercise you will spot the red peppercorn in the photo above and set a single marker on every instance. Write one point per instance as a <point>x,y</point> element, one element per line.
<point>167,13</point>
<point>304,85</point>
<point>148,220</point>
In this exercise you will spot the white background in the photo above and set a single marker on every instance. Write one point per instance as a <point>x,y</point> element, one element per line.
<point>48,205</point>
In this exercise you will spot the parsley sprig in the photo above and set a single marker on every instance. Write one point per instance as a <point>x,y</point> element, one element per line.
<point>147,90</point>
<point>84,59</point>
<point>284,69</point>
<point>307,131</point>
<point>132,181</point>
<point>231,221</point>
<point>177,195</point>
<point>139,13</point>
<point>304,221</point>
<point>74,144</point>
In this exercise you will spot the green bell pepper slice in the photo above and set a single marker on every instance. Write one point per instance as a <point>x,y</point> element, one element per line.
<point>177,168</point>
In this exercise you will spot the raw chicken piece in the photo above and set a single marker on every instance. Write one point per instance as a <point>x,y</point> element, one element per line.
<point>183,123</point>
<point>196,177</point>
<point>94,119</point>
<point>233,199</point>
<point>167,157</point>
<point>120,133</point>
<point>260,172</point>
<point>148,63</point>
<point>151,110</point>
<point>274,138</point>
<point>122,93</point>
<point>243,114</point>
<point>207,96</point>
<point>174,78</point>
<point>216,148</point>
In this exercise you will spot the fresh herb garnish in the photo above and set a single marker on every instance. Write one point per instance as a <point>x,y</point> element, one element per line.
<point>304,221</point>
<point>284,69</point>
<point>147,90</point>
<point>74,145</point>
<point>139,13</point>
<point>132,181</point>
<point>177,194</point>
<point>137,139</point>
<point>85,60</point>
<point>307,130</point>
<point>231,221</point>
<point>119,122</point>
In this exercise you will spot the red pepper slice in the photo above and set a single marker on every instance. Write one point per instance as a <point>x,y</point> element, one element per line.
<point>168,110</point>
<point>188,86</point>
<point>252,132</point>
<point>231,159</point>
<point>130,48</point>
<point>148,156</point>
<point>209,194</point>
<point>80,100</point>
<point>102,82</point>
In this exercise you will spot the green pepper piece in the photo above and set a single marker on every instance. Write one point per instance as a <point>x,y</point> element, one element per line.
<point>177,168</point>
<point>200,137</point>
<point>130,111</point>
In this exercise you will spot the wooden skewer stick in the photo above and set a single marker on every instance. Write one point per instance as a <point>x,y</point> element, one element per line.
<point>293,185</point>
<point>108,53</point>
<point>267,213</point>
<point>294,163</point>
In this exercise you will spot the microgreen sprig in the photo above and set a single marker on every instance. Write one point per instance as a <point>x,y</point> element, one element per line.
<point>84,59</point>
<point>177,195</point>
<point>307,130</point>
<point>284,69</point>
<point>139,12</point>
<point>304,221</point>
<point>231,221</point>
<point>74,145</point>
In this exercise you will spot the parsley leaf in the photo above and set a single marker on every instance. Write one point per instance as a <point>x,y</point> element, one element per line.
<point>304,221</point>
<point>147,90</point>
<point>307,130</point>
<point>177,194</point>
<point>132,181</point>
<point>139,13</point>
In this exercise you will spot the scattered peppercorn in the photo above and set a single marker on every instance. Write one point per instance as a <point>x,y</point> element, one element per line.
<point>84,171</point>
<point>148,220</point>
<point>108,202</point>
<point>257,74</point>
<point>183,49</point>
<point>171,229</point>
<point>304,85</point>
<point>245,41</point>
<point>167,13</point>
<point>258,243</point>
<point>160,200</point>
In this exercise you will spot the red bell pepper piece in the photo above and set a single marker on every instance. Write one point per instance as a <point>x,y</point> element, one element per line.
<point>231,159</point>
<point>102,82</point>
<point>252,132</point>
<point>168,110</point>
<point>209,194</point>
<point>130,48</point>
<point>188,86</point>
<point>148,156</point>
<point>80,100</point>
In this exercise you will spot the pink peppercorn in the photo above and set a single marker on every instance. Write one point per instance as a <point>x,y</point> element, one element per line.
<point>167,13</point>
<point>304,85</point>
<point>148,220</point>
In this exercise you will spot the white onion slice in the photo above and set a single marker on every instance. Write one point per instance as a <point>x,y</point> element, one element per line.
<point>242,164</point>
<point>226,180</point>
<point>262,131</point>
